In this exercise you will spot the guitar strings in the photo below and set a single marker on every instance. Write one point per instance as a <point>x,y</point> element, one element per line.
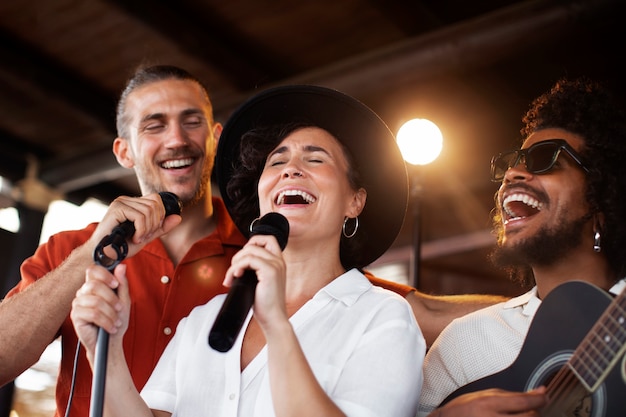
<point>564,391</point>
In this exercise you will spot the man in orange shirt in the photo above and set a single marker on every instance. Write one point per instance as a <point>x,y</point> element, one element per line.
<point>167,134</point>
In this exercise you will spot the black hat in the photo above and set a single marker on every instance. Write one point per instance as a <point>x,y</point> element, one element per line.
<point>370,142</point>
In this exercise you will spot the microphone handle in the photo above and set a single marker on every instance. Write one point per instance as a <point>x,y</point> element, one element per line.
<point>117,240</point>
<point>234,311</point>
<point>240,298</point>
<point>123,231</point>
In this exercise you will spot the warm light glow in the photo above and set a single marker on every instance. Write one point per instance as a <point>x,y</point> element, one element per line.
<point>420,141</point>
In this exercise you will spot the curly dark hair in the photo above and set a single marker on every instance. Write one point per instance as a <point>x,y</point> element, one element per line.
<point>242,187</point>
<point>586,108</point>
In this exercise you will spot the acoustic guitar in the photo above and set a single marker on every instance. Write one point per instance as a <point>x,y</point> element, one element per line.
<point>575,347</point>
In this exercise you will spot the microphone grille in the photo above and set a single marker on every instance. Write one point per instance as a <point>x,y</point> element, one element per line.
<point>171,202</point>
<point>274,224</point>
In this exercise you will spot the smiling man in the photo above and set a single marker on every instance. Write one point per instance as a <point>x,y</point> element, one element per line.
<point>560,216</point>
<point>167,135</point>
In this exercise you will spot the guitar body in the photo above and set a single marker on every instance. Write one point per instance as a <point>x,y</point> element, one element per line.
<point>562,321</point>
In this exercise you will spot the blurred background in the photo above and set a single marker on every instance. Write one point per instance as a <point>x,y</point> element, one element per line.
<point>471,67</point>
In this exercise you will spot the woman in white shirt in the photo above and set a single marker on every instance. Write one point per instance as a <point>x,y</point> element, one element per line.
<point>320,340</point>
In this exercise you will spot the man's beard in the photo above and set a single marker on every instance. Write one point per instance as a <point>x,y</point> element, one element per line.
<point>545,248</point>
<point>201,189</point>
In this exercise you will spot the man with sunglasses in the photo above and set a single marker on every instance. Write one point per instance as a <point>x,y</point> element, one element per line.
<point>560,216</point>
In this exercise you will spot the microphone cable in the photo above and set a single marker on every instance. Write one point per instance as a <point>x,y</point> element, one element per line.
<point>73,383</point>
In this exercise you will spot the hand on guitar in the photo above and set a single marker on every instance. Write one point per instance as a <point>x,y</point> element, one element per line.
<point>494,402</point>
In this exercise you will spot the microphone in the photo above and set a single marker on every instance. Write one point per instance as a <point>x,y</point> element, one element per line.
<point>240,297</point>
<point>117,240</point>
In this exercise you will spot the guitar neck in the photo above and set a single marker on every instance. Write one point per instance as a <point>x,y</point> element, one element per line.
<point>602,347</point>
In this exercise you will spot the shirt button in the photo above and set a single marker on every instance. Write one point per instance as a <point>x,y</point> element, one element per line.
<point>231,396</point>
<point>167,331</point>
<point>165,279</point>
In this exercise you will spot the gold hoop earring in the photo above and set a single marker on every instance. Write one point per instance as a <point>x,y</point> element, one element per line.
<point>356,227</point>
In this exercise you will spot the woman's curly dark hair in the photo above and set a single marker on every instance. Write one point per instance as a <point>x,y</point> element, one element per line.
<point>242,187</point>
<point>586,108</point>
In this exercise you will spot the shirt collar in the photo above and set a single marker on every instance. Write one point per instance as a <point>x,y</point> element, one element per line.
<point>618,287</point>
<point>530,302</point>
<point>347,287</point>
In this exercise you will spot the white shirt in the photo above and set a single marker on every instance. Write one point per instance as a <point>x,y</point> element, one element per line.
<point>479,344</point>
<point>362,343</point>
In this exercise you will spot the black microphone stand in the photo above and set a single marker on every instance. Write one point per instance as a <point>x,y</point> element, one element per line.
<point>117,242</point>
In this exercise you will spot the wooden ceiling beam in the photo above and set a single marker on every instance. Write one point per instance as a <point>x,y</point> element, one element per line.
<point>24,61</point>
<point>210,39</point>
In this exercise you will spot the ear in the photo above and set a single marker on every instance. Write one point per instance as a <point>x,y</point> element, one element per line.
<point>123,152</point>
<point>357,203</point>
<point>598,221</point>
<point>217,132</point>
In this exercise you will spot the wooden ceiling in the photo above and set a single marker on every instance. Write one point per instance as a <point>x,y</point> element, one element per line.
<point>472,67</point>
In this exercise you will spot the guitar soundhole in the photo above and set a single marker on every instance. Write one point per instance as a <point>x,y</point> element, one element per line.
<point>588,406</point>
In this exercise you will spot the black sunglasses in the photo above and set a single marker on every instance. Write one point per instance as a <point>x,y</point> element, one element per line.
<point>539,158</point>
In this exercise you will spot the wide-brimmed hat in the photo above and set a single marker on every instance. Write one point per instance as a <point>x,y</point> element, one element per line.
<point>370,142</point>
